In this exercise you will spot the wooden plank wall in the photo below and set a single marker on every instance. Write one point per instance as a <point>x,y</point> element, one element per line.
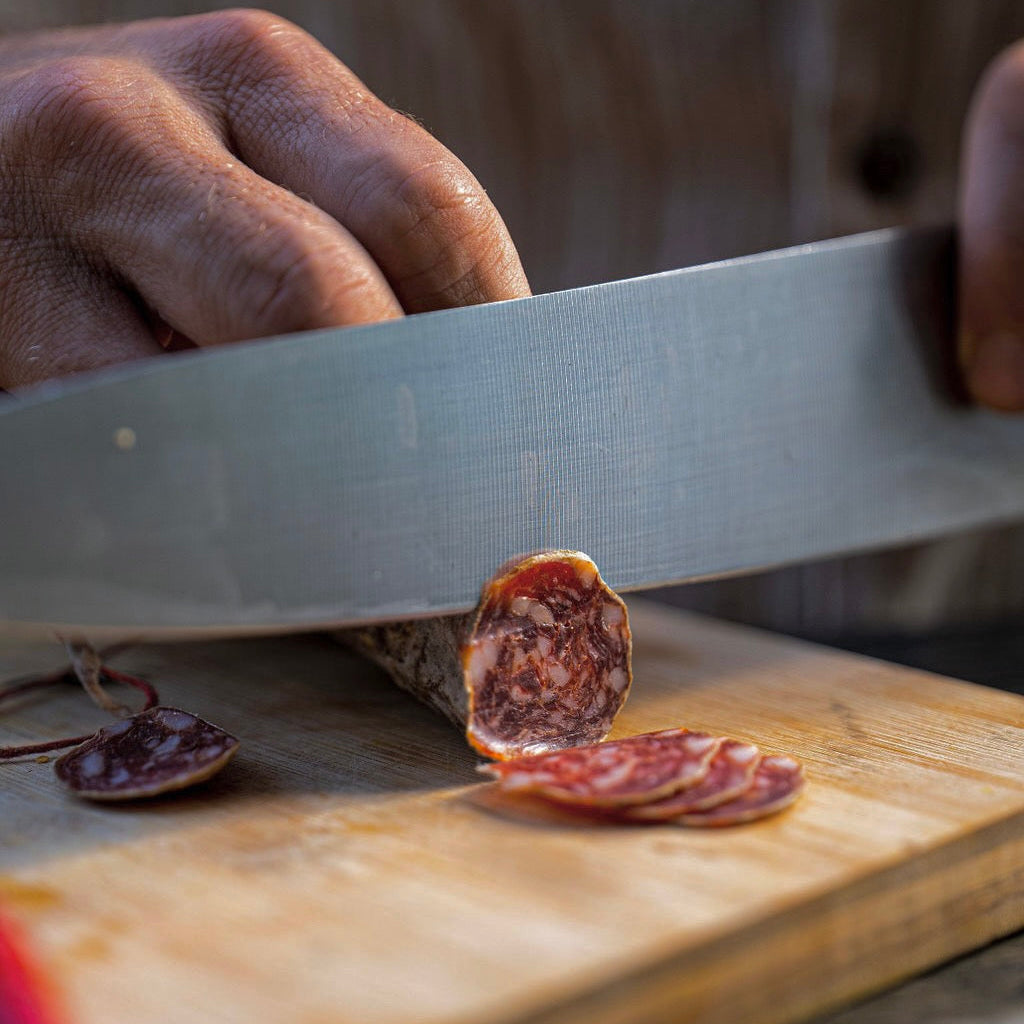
<point>621,138</point>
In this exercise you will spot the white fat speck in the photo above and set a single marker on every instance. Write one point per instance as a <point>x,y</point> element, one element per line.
<point>558,674</point>
<point>519,605</point>
<point>698,744</point>
<point>92,764</point>
<point>169,744</point>
<point>482,658</point>
<point>121,775</point>
<point>743,754</point>
<point>618,773</point>
<point>781,761</point>
<point>118,727</point>
<point>586,574</point>
<point>517,780</point>
<point>544,646</point>
<point>176,721</point>
<point>611,616</point>
<point>541,614</point>
<point>618,679</point>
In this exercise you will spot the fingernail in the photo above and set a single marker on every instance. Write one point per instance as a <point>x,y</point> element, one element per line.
<point>995,371</point>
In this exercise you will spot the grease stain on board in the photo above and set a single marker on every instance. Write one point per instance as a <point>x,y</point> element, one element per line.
<point>21,895</point>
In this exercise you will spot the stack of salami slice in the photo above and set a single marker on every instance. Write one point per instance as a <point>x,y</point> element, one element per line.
<point>678,776</point>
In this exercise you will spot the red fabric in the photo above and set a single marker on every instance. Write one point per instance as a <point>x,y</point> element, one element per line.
<point>22,999</point>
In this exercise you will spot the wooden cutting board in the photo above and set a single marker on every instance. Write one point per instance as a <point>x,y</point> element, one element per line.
<point>349,865</point>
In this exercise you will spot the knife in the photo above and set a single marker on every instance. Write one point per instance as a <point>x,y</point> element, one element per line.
<point>685,425</point>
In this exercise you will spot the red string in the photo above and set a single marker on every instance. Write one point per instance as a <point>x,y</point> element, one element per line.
<point>27,749</point>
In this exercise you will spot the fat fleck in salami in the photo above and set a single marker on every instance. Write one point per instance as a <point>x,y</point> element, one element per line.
<point>729,776</point>
<point>614,774</point>
<point>777,782</point>
<point>542,664</point>
<point>156,751</point>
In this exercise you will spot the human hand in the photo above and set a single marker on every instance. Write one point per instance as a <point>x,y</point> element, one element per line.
<point>214,178</point>
<point>992,237</point>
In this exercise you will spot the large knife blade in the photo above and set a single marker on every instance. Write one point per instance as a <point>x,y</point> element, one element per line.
<point>689,424</point>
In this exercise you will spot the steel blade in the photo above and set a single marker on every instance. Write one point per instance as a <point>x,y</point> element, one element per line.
<point>701,422</point>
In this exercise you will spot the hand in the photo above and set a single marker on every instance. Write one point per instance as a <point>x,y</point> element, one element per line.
<point>992,238</point>
<point>208,179</point>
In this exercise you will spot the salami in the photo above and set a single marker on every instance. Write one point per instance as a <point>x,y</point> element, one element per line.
<point>777,782</point>
<point>616,774</point>
<point>153,752</point>
<point>673,776</point>
<point>541,664</point>
<point>729,775</point>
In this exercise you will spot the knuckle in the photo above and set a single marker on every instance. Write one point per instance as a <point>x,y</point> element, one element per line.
<point>295,283</point>
<point>247,43</point>
<point>443,197</point>
<point>82,135</point>
<point>71,96</point>
<point>69,117</point>
<point>279,291</point>
<point>445,206</point>
<point>242,28</point>
<point>460,248</point>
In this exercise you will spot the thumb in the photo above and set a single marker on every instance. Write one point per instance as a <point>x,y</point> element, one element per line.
<point>992,238</point>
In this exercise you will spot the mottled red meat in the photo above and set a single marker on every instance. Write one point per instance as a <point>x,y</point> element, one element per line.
<point>729,775</point>
<point>542,663</point>
<point>547,662</point>
<point>154,752</point>
<point>777,782</point>
<point>614,774</point>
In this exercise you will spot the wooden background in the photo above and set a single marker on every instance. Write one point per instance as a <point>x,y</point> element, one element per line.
<point>621,138</point>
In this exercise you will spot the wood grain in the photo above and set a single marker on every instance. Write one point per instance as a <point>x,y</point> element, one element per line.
<point>350,867</point>
<point>979,989</point>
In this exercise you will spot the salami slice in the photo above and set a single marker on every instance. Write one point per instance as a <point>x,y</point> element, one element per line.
<point>616,774</point>
<point>777,782</point>
<point>729,775</point>
<point>156,751</point>
<point>542,664</point>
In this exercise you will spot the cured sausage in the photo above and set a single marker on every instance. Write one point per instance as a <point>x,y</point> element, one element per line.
<point>153,752</point>
<point>729,775</point>
<point>541,664</point>
<point>777,782</point>
<point>674,776</point>
<point>614,774</point>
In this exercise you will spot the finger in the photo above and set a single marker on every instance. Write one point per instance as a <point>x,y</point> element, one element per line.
<point>217,252</point>
<point>992,238</point>
<point>300,118</point>
<point>61,319</point>
<point>241,258</point>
